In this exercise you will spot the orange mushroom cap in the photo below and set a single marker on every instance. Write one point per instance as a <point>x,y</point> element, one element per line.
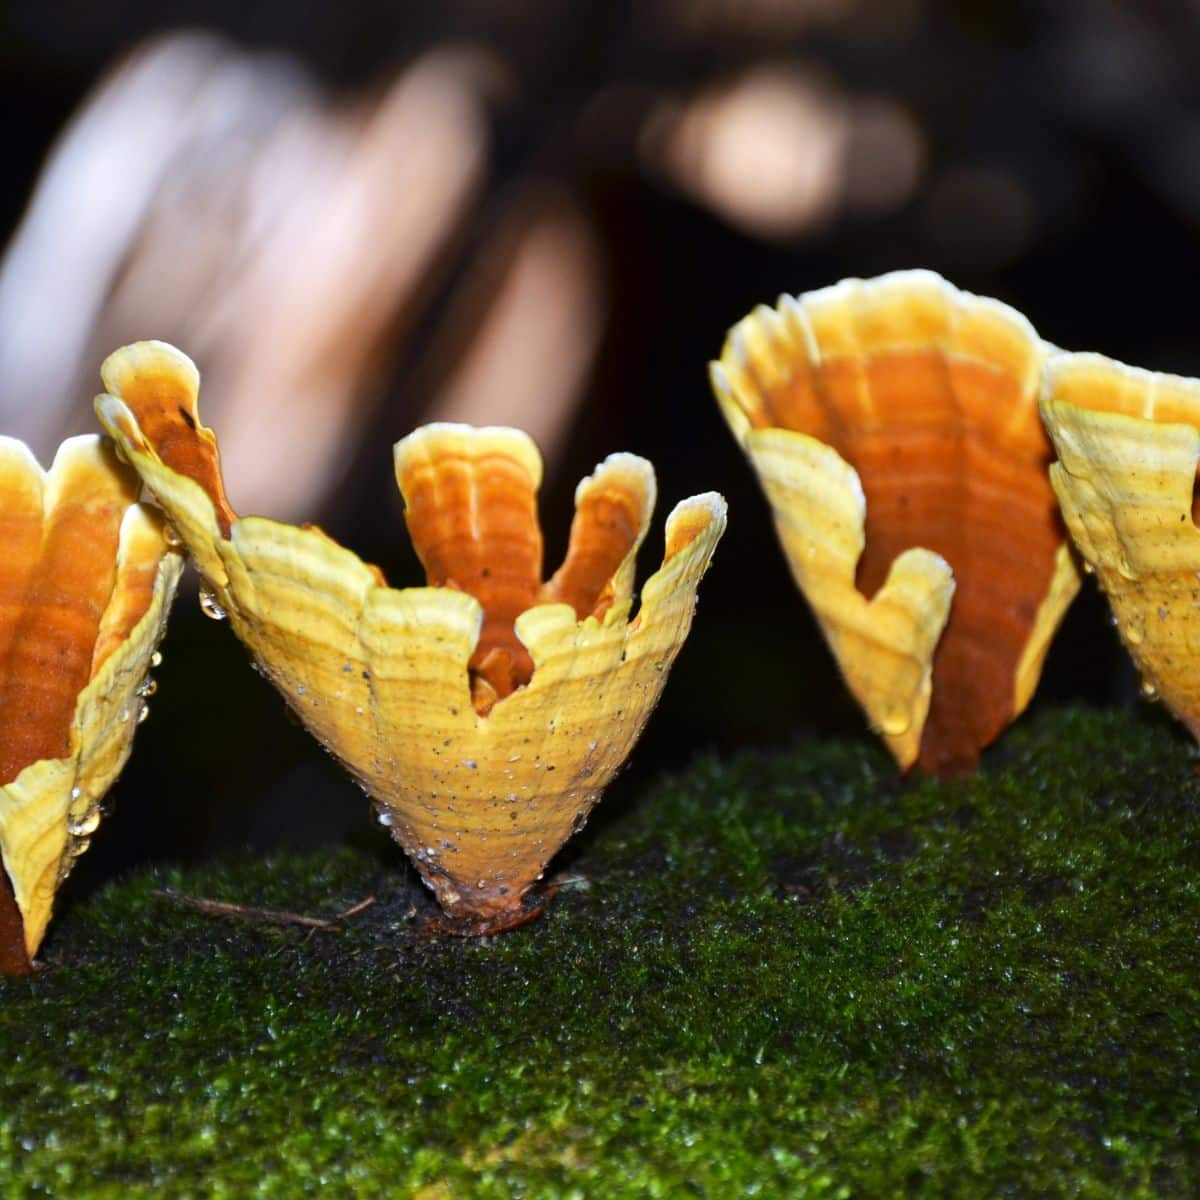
<point>1128,444</point>
<point>86,581</point>
<point>893,423</point>
<point>485,713</point>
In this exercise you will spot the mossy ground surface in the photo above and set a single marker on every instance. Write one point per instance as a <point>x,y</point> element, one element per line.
<point>782,975</point>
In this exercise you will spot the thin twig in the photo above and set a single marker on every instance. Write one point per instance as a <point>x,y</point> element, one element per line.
<point>264,916</point>
<point>355,909</point>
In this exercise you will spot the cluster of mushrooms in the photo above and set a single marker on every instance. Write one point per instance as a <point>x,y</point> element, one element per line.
<point>901,430</point>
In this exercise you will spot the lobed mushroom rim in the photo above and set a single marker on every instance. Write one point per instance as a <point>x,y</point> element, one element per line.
<point>122,424</point>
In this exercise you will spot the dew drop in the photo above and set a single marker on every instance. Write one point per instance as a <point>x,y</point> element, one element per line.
<point>76,792</point>
<point>384,818</point>
<point>86,825</point>
<point>895,721</point>
<point>172,536</point>
<point>481,884</point>
<point>156,659</point>
<point>1088,569</point>
<point>147,687</point>
<point>143,711</point>
<point>660,665</point>
<point>209,606</point>
<point>78,847</point>
<point>1149,690</point>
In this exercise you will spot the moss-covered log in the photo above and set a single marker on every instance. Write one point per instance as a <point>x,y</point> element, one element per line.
<point>790,973</point>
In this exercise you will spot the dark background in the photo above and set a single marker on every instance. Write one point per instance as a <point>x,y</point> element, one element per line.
<point>1086,111</point>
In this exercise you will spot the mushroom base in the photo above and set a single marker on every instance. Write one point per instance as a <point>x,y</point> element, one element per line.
<point>463,920</point>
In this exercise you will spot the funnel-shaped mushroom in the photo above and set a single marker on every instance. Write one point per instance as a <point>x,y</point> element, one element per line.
<point>1128,442</point>
<point>483,714</point>
<point>893,424</point>
<point>86,581</point>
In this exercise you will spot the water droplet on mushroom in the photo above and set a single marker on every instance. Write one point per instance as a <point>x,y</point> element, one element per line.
<point>895,721</point>
<point>1149,690</point>
<point>86,825</point>
<point>660,665</point>
<point>384,818</point>
<point>143,711</point>
<point>481,884</point>
<point>1088,569</point>
<point>209,606</point>
<point>156,659</point>
<point>172,536</point>
<point>78,847</point>
<point>148,686</point>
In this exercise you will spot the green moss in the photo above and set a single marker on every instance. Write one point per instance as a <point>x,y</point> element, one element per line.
<point>780,975</point>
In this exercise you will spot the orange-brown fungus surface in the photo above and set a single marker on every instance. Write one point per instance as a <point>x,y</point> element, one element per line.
<point>935,474</point>
<point>56,577</point>
<point>471,510</point>
<point>611,509</point>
